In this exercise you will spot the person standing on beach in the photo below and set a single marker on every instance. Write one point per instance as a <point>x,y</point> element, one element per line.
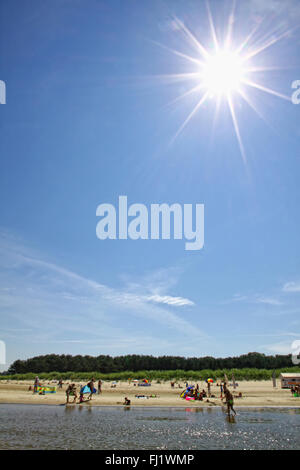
<point>36,384</point>
<point>208,390</point>
<point>91,385</point>
<point>99,386</point>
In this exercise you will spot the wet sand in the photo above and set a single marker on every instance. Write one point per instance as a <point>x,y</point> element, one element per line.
<point>254,394</point>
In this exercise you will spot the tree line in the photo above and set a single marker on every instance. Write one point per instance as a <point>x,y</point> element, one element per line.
<point>108,364</point>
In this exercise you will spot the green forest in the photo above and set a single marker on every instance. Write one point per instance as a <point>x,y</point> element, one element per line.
<point>251,366</point>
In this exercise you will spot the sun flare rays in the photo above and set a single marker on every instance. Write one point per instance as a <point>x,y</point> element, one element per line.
<point>225,70</point>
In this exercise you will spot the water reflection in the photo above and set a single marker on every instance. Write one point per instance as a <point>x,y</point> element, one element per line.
<point>230,419</point>
<point>69,409</point>
<point>69,427</point>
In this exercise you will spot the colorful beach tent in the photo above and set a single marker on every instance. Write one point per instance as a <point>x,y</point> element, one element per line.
<point>87,389</point>
<point>190,387</point>
<point>186,391</point>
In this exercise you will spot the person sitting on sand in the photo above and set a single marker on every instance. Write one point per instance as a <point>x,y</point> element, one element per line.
<point>71,391</point>
<point>126,401</point>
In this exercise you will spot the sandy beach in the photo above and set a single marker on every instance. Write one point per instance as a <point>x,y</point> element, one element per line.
<point>254,394</point>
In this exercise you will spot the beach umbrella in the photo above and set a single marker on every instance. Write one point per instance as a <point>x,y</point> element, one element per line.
<point>210,381</point>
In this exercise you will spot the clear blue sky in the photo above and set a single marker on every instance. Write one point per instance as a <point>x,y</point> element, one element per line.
<point>90,115</point>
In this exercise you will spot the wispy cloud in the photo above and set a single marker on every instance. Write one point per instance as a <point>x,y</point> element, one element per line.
<point>287,11</point>
<point>236,298</point>
<point>257,299</point>
<point>291,287</point>
<point>282,334</point>
<point>268,301</point>
<point>167,299</point>
<point>282,347</point>
<point>53,304</point>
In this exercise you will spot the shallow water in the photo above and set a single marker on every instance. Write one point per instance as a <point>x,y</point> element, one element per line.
<point>117,428</point>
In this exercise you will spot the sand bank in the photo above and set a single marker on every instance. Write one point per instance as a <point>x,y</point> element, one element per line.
<point>254,394</point>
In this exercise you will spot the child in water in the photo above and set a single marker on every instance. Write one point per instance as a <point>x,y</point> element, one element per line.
<point>229,400</point>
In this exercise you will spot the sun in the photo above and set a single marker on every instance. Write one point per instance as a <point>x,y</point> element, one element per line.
<point>226,70</point>
<point>223,73</point>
